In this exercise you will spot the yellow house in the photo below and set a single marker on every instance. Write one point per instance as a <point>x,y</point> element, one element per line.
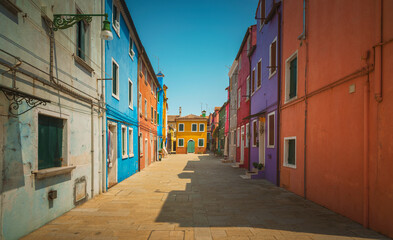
<point>191,134</point>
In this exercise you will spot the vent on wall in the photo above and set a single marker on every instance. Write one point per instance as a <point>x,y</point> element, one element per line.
<point>80,191</point>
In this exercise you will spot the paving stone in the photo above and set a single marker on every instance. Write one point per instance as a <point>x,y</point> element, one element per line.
<point>196,197</point>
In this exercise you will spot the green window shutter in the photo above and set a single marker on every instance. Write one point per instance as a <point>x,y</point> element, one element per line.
<point>291,152</point>
<point>50,142</point>
<point>114,78</point>
<point>293,78</point>
<point>129,93</point>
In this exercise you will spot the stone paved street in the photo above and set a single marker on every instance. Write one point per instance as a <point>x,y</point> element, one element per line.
<point>198,197</point>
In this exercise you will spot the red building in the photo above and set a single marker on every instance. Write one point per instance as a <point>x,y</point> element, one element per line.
<point>336,118</point>
<point>243,98</point>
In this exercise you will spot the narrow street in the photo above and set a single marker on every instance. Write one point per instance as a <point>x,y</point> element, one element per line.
<point>199,197</point>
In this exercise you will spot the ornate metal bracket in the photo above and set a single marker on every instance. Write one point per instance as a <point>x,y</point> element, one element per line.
<point>63,21</point>
<point>17,97</point>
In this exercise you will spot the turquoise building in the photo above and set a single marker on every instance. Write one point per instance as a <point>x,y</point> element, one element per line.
<point>160,107</point>
<point>121,65</point>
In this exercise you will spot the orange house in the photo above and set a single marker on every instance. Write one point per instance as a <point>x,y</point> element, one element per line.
<point>147,107</point>
<point>336,118</point>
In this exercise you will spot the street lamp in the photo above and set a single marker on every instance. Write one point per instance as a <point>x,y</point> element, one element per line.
<point>64,21</point>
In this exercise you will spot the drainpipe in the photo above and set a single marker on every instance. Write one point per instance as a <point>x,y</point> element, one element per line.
<point>378,52</point>
<point>305,102</point>
<point>92,150</point>
<point>103,125</point>
<point>278,99</point>
<point>249,121</point>
<point>366,152</point>
<point>302,36</point>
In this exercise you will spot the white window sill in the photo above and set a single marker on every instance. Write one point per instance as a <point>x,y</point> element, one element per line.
<point>130,107</point>
<point>290,99</point>
<point>117,31</point>
<point>115,96</point>
<point>289,165</point>
<point>131,155</point>
<point>270,146</point>
<point>272,74</point>
<point>132,57</point>
<point>50,172</point>
<point>124,156</point>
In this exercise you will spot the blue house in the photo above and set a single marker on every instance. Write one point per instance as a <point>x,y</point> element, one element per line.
<point>121,64</point>
<point>160,107</point>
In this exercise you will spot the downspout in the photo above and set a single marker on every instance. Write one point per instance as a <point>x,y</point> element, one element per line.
<point>92,150</point>
<point>366,152</point>
<point>305,103</point>
<point>278,99</point>
<point>302,36</point>
<point>103,115</point>
<point>249,103</point>
<point>378,52</point>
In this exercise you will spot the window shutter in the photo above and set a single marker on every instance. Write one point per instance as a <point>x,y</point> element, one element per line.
<point>50,142</point>
<point>114,78</point>
<point>259,74</point>
<point>293,78</point>
<point>291,151</point>
<point>271,130</point>
<point>273,60</point>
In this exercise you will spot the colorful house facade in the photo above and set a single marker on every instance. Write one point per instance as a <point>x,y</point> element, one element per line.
<point>191,134</point>
<point>165,120</point>
<point>121,95</point>
<point>243,98</point>
<point>160,107</point>
<point>147,106</point>
<point>264,91</point>
<point>221,129</point>
<point>233,76</point>
<point>336,120</point>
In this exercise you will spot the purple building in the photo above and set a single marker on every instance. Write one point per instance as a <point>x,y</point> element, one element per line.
<point>264,91</point>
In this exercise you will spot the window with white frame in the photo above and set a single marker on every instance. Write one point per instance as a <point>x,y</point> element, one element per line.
<point>82,38</point>
<point>255,133</point>
<point>238,137</point>
<point>247,134</point>
<point>273,58</point>
<point>141,144</point>
<point>124,141</point>
<point>201,142</point>
<point>115,79</point>
<point>130,142</point>
<point>145,108</point>
<point>271,129</point>
<point>253,81</point>
<point>181,127</point>
<point>180,142</point>
<point>291,77</point>
<point>140,104</point>
<point>290,152</point>
<point>194,127</point>
<point>116,19</point>
<point>130,94</point>
<point>239,97</point>
<point>201,127</point>
<point>248,88</point>
<point>131,50</point>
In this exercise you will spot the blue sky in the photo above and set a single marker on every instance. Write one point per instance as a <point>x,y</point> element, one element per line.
<point>196,41</point>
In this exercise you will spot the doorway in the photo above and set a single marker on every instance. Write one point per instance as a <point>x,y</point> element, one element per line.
<point>146,152</point>
<point>261,140</point>
<point>190,146</point>
<point>112,154</point>
<point>242,145</point>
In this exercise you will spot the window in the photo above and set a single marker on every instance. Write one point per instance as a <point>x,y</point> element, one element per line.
<point>239,97</point>
<point>140,104</point>
<point>194,127</point>
<point>158,118</point>
<point>116,19</point>
<point>124,141</point>
<point>145,108</point>
<point>181,127</point>
<point>273,58</point>
<point>248,88</point>
<point>240,62</point>
<point>51,142</point>
<point>262,10</point>
<point>82,38</point>
<point>115,79</point>
<point>141,144</point>
<point>152,114</point>
<point>131,50</point>
<point>145,73</point>
<point>130,142</point>
<point>290,152</point>
<point>155,116</point>
<point>238,137</point>
<point>270,129</point>
<point>253,81</point>
<point>247,134</point>
<point>291,77</point>
<point>255,133</point>
<point>181,142</point>
<point>201,127</point>
<point>201,142</point>
<point>130,94</point>
<point>259,74</point>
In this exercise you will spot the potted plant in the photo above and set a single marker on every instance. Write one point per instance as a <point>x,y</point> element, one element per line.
<point>260,166</point>
<point>255,164</point>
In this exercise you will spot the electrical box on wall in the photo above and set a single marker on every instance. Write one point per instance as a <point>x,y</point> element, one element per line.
<point>52,194</point>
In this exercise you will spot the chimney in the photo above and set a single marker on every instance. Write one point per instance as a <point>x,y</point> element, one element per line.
<point>179,111</point>
<point>203,113</point>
